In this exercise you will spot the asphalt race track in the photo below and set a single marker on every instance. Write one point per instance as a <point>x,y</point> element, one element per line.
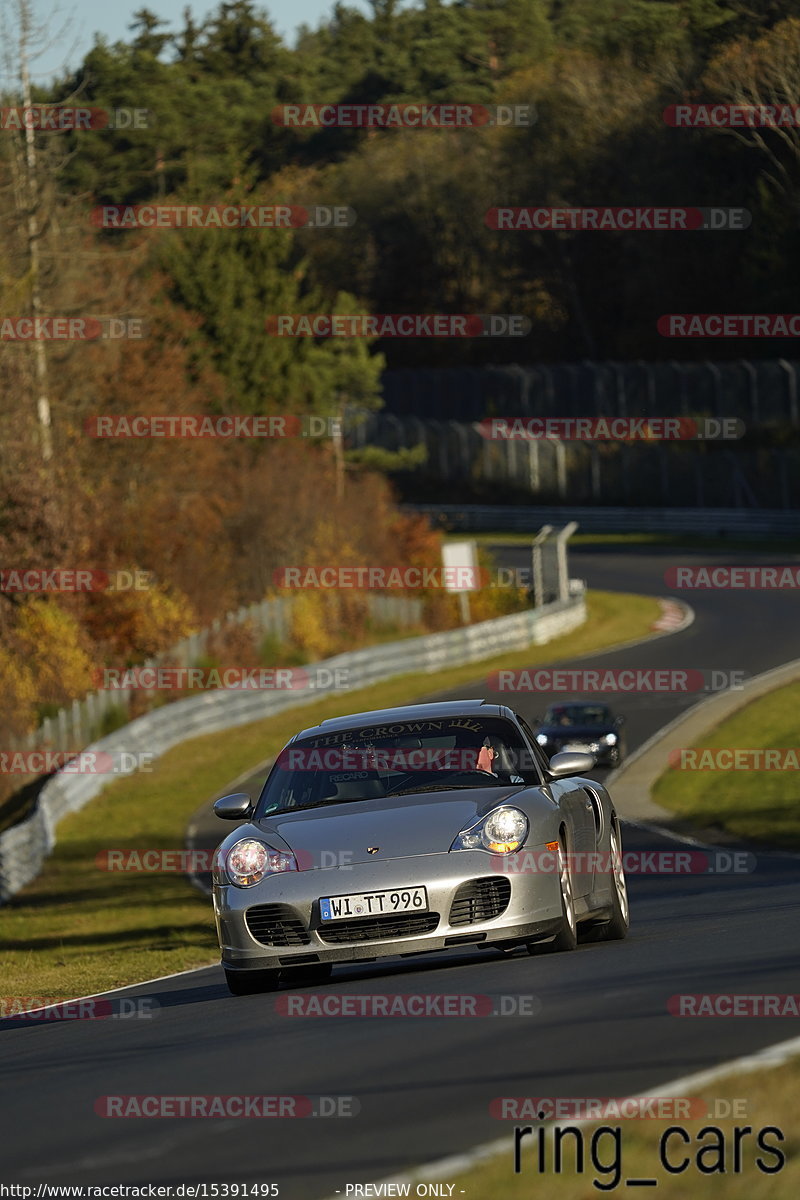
<point>424,1085</point>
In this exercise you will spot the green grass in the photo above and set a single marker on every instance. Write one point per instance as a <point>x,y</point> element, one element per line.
<point>757,806</point>
<point>769,1098</point>
<point>77,929</point>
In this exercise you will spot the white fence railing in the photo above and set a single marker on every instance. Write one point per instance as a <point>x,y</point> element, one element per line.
<point>24,847</point>
<point>75,725</point>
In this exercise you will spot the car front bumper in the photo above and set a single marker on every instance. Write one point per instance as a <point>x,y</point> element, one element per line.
<point>289,911</point>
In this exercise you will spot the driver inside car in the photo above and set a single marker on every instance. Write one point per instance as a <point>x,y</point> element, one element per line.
<point>497,758</point>
<point>486,757</point>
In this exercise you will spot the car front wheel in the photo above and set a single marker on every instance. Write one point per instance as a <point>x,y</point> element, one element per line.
<point>567,936</point>
<point>617,927</point>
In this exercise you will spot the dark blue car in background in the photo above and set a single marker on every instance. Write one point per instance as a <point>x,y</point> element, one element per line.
<point>588,728</point>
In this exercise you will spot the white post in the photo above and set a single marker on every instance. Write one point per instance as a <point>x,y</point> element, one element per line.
<point>536,565</point>
<point>562,537</point>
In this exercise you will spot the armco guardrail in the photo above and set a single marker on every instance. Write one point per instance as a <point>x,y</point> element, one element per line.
<point>72,727</point>
<point>474,518</point>
<point>24,847</point>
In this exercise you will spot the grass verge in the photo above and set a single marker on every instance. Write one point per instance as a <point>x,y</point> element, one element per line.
<point>762,1098</point>
<point>756,806</point>
<point>78,929</point>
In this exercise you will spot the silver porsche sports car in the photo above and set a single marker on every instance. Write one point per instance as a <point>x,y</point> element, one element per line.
<point>411,830</point>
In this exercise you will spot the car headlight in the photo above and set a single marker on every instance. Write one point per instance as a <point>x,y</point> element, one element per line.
<point>609,739</point>
<point>542,739</point>
<point>502,831</point>
<point>249,861</point>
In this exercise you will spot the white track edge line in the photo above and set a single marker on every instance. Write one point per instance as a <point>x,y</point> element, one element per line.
<point>111,991</point>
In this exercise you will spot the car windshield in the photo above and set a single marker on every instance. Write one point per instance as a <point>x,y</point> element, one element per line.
<point>435,753</point>
<point>578,714</point>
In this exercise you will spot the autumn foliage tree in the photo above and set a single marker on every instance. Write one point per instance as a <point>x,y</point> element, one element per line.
<point>211,520</point>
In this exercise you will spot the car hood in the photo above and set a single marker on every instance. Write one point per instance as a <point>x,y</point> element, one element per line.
<point>399,826</point>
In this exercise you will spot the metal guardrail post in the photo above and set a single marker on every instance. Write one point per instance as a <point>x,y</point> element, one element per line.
<point>750,371</point>
<point>462,440</point>
<point>663,463</point>
<point>714,371</point>
<point>791,386</point>
<point>561,469</point>
<point>533,466</point>
<point>594,468</point>
<point>562,537</point>
<point>622,398</point>
<point>511,460</point>
<point>649,386</point>
<point>548,389</point>
<point>783,482</point>
<point>678,368</point>
<point>537,579</point>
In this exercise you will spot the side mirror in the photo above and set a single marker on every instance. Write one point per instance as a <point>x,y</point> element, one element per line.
<point>619,721</point>
<point>237,807</point>
<point>570,762</point>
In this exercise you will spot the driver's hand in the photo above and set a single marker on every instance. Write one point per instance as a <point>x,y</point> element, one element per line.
<point>485,759</point>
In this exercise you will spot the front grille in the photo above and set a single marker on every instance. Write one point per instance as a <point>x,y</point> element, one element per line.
<point>480,900</point>
<point>378,929</point>
<point>276,925</point>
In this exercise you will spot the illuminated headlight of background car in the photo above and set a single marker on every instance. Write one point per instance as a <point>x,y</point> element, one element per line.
<point>501,832</point>
<point>542,739</point>
<point>609,739</point>
<point>249,861</point>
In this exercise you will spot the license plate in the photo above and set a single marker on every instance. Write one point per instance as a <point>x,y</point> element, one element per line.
<point>373,904</point>
<point>578,748</point>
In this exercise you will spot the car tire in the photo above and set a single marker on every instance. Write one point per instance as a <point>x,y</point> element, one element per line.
<point>307,976</point>
<point>251,983</point>
<point>567,936</point>
<point>617,927</point>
